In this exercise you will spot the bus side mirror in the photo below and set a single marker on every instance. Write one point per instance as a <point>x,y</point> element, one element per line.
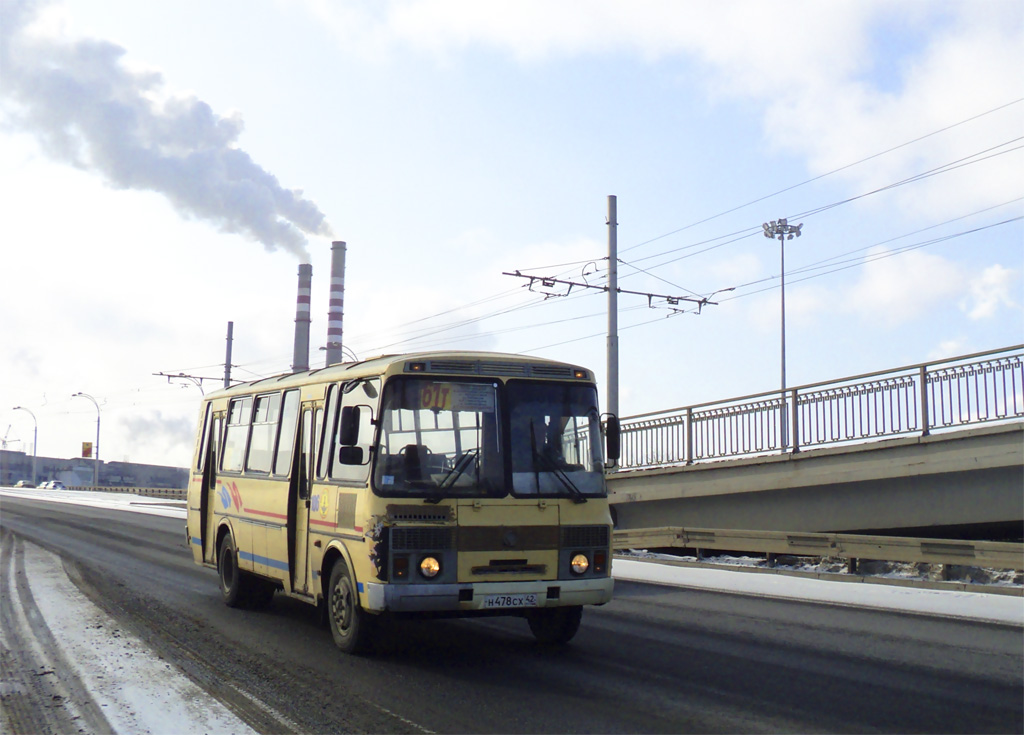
<point>348,433</point>
<point>350,455</point>
<point>612,438</point>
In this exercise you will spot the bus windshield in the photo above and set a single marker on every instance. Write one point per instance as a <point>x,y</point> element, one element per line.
<point>443,438</point>
<point>439,438</point>
<point>555,432</point>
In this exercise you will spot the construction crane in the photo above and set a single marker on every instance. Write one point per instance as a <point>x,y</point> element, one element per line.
<point>4,441</point>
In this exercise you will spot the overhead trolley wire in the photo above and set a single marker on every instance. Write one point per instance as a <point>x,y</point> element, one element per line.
<point>824,175</point>
<point>735,236</point>
<point>728,239</point>
<point>845,265</point>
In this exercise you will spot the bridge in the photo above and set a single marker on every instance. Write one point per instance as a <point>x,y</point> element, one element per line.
<point>934,449</point>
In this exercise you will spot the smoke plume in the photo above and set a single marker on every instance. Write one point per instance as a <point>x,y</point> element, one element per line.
<point>86,108</point>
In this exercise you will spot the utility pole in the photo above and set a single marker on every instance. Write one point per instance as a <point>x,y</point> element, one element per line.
<point>782,230</point>
<point>613,309</point>
<point>612,398</point>
<point>227,358</point>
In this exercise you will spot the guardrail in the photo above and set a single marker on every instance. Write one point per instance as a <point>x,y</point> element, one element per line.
<point>956,392</point>
<point>993,554</point>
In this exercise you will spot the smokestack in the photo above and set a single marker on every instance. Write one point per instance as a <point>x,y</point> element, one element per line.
<point>336,310</point>
<point>300,358</point>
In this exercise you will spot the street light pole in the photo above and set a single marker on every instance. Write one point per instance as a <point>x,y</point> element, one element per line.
<point>35,439</point>
<point>96,449</point>
<point>783,231</point>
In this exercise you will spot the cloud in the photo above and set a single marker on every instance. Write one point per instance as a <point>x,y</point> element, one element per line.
<point>837,81</point>
<point>155,433</point>
<point>990,291</point>
<point>947,348</point>
<point>895,290</point>
<point>87,108</point>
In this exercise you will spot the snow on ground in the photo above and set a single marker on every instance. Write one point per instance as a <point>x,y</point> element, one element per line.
<point>137,692</point>
<point>117,501</point>
<point>982,606</point>
<point>149,695</point>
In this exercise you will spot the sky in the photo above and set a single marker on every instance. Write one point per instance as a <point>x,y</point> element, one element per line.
<point>165,168</point>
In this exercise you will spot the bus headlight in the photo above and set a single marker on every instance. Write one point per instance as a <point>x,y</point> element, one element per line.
<point>580,564</point>
<point>430,567</point>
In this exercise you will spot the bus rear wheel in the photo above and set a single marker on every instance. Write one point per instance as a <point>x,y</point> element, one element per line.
<point>555,625</point>
<point>234,585</point>
<point>350,626</point>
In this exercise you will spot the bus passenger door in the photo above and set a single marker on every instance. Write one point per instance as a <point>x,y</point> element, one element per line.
<point>208,501</point>
<point>298,521</point>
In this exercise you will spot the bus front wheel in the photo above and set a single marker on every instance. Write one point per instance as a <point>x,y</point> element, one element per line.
<point>233,584</point>
<point>555,624</point>
<point>349,624</point>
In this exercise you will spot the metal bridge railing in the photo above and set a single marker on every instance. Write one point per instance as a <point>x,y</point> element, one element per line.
<point>955,392</point>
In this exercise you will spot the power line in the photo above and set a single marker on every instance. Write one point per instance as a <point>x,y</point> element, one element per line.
<point>822,176</point>
<point>845,266</point>
<point>735,236</point>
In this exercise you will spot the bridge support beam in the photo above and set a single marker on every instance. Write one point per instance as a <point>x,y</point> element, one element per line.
<point>972,478</point>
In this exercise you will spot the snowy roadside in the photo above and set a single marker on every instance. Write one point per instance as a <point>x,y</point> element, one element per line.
<point>75,642</point>
<point>979,606</point>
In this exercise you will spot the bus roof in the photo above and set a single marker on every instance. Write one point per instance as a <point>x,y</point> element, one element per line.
<point>439,362</point>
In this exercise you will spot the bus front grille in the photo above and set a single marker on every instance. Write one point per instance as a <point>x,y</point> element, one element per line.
<point>584,537</point>
<point>415,539</point>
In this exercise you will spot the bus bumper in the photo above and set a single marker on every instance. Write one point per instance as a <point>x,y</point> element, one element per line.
<point>482,595</point>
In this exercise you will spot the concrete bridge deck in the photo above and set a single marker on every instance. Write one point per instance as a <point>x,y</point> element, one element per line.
<point>967,482</point>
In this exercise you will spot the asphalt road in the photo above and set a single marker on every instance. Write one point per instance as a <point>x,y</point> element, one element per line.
<point>656,659</point>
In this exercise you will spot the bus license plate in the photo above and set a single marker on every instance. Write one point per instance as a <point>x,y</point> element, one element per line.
<point>511,601</point>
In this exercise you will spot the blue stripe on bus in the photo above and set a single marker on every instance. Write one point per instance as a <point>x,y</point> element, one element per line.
<point>197,541</point>
<point>359,586</point>
<point>256,559</point>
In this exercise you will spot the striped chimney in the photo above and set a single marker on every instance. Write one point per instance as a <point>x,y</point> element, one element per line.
<point>336,308</point>
<point>300,358</point>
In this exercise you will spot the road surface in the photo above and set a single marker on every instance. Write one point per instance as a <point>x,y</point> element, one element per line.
<point>656,659</point>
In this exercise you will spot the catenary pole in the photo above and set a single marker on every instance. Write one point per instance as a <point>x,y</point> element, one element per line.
<point>227,356</point>
<point>613,309</point>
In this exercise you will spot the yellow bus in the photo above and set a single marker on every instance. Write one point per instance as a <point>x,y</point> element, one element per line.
<point>446,484</point>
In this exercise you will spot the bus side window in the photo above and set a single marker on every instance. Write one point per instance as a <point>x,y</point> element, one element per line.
<point>325,454</point>
<point>354,435</point>
<point>237,434</point>
<point>204,439</point>
<point>286,439</point>
<point>266,414</point>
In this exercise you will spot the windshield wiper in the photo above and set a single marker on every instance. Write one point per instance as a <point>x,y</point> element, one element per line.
<point>545,462</point>
<point>462,464</point>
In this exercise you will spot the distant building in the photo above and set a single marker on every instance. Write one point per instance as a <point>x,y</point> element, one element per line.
<point>15,466</point>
